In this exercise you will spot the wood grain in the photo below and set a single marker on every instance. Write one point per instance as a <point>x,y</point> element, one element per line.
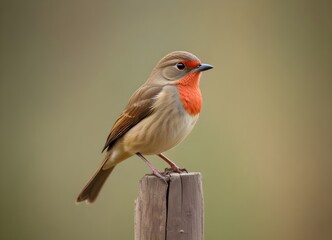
<point>170,212</point>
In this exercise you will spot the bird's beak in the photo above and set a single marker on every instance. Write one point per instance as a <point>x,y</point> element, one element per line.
<point>202,67</point>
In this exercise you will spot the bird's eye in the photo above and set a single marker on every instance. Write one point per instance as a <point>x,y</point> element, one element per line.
<point>180,66</point>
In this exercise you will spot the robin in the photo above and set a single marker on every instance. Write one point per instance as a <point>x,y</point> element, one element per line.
<point>158,116</point>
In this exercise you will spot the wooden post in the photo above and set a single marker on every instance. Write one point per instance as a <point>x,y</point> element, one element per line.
<point>170,212</point>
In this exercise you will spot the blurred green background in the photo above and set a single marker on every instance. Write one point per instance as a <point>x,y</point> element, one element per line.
<point>263,141</point>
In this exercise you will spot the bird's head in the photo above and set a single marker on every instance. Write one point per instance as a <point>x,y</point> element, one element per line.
<point>176,67</point>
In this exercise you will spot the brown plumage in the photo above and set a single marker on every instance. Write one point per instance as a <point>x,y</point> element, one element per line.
<point>158,116</point>
<point>139,107</point>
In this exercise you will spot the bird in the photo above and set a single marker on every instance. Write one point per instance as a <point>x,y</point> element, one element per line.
<point>158,116</point>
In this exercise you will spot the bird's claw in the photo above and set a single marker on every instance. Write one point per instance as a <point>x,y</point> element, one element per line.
<point>164,177</point>
<point>175,170</point>
<point>167,174</point>
<point>183,170</point>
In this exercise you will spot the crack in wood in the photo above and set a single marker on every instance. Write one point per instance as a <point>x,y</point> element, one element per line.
<point>170,212</point>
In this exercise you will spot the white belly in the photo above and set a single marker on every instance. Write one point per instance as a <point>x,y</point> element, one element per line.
<point>163,129</point>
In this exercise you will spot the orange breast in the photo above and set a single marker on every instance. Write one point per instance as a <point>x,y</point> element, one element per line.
<point>190,94</point>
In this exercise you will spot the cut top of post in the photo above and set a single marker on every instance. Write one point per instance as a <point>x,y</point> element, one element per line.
<point>169,212</point>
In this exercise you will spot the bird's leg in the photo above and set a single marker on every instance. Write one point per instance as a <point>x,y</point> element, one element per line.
<point>173,166</point>
<point>154,170</point>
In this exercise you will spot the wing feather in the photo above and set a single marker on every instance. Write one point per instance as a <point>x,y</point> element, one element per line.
<point>139,107</point>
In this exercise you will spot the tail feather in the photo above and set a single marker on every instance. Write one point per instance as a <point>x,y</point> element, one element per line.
<point>91,190</point>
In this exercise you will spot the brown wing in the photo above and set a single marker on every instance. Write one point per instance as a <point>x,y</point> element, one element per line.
<point>138,108</point>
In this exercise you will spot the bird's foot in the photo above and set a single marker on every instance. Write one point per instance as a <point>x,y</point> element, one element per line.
<point>175,170</point>
<point>154,170</point>
<point>165,177</point>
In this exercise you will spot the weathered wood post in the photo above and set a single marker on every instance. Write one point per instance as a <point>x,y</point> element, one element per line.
<point>170,212</point>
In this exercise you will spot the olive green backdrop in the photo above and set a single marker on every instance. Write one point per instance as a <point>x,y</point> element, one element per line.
<point>263,141</point>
